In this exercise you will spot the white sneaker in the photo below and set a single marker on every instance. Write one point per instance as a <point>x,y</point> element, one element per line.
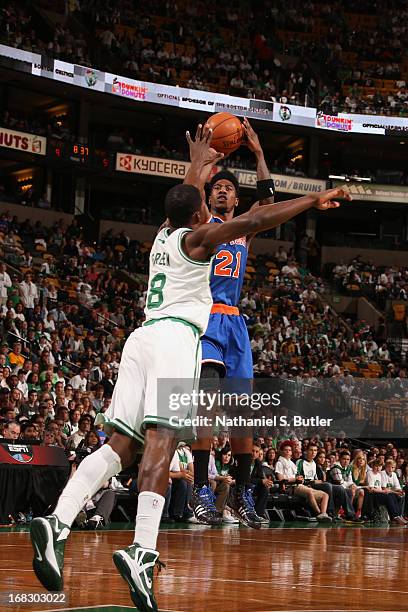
<point>116,485</point>
<point>96,522</point>
<point>228,518</point>
<point>193,520</point>
<point>323,517</point>
<point>398,520</point>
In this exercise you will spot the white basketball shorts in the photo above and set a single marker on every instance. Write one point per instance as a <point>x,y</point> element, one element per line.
<point>160,359</point>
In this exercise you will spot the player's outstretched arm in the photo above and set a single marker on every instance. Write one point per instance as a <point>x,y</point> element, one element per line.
<point>202,242</point>
<point>203,158</point>
<point>262,172</point>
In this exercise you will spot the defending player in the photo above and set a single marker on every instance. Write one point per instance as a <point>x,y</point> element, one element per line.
<point>226,347</point>
<point>166,347</point>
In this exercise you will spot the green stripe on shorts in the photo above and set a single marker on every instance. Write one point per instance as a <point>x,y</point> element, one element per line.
<point>124,429</point>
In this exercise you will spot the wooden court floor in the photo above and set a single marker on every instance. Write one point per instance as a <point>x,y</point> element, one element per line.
<point>230,569</point>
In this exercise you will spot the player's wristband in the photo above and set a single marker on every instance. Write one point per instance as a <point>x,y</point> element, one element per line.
<point>265,189</point>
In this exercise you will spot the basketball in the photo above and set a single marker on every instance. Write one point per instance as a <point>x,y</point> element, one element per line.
<point>227,132</point>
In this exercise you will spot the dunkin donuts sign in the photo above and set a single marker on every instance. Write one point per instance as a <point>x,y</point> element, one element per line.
<point>30,143</point>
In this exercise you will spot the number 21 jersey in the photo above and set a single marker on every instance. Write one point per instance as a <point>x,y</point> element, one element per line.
<point>228,270</point>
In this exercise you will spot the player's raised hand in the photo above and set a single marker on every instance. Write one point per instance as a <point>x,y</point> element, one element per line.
<point>212,160</point>
<point>328,199</point>
<point>199,147</point>
<point>213,157</point>
<point>251,138</point>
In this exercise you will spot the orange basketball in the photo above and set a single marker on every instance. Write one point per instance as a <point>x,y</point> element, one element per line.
<point>227,132</point>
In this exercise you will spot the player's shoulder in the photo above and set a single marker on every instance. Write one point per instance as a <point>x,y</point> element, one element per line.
<point>214,219</point>
<point>168,233</point>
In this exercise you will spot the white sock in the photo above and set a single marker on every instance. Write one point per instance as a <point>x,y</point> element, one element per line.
<point>149,510</point>
<point>92,472</point>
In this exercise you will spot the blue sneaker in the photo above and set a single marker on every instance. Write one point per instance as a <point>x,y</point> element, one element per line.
<point>241,503</point>
<point>203,505</point>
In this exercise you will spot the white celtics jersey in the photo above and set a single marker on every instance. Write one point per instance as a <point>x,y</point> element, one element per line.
<point>178,286</point>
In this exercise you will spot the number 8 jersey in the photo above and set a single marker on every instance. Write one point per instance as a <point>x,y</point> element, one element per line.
<point>226,342</point>
<point>178,286</point>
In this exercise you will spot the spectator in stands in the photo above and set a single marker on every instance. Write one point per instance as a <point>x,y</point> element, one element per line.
<point>11,431</point>
<point>80,381</point>
<point>389,479</point>
<point>221,479</point>
<point>182,476</point>
<point>5,284</point>
<point>15,357</point>
<point>390,500</point>
<point>29,433</point>
<point>341,473</point>
<point>107,383</point>
<point>74,418</point>
<point>84,426</point>
<point>89,443</point>
<point>28,294</point>
<point>286,471</point>
<point>281,256</point>
<point>290,269</point>
<point>98,510</point>
<point>359,469</point>
<point>260,481</point>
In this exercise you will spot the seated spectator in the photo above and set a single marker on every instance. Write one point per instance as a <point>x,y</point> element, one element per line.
<point>307,468</point>
<point>87,445</point>
<point>84,426</point>
<point>391,500</point>
<point>390,482</point>
<point>341,473</point>
<point>281,256</point>
<point>290,269</point>
<point>97,511</point>
<point>182,477</point>
<point>270,458</point>
<point>56,428</point>
<point>11,431</point>
<point>221,480</point>
<point>98,398</point>
<point>48,438</point>
<point>286,472</point>
<point>80,381</point>
<point>74,418</point>
<point>63,414</point>
<point>359,469</point>
<point>15,357</point>
<point>29,433</point>
<point>261,482</point>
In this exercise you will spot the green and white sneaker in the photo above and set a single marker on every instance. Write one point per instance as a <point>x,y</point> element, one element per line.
<point>48,537</point>
<point>136,565</point>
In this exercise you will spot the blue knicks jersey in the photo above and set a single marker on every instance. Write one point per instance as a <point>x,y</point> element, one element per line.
<point>228,270</point>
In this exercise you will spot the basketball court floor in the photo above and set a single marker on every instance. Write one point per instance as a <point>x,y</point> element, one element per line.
<point>229,569</point>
